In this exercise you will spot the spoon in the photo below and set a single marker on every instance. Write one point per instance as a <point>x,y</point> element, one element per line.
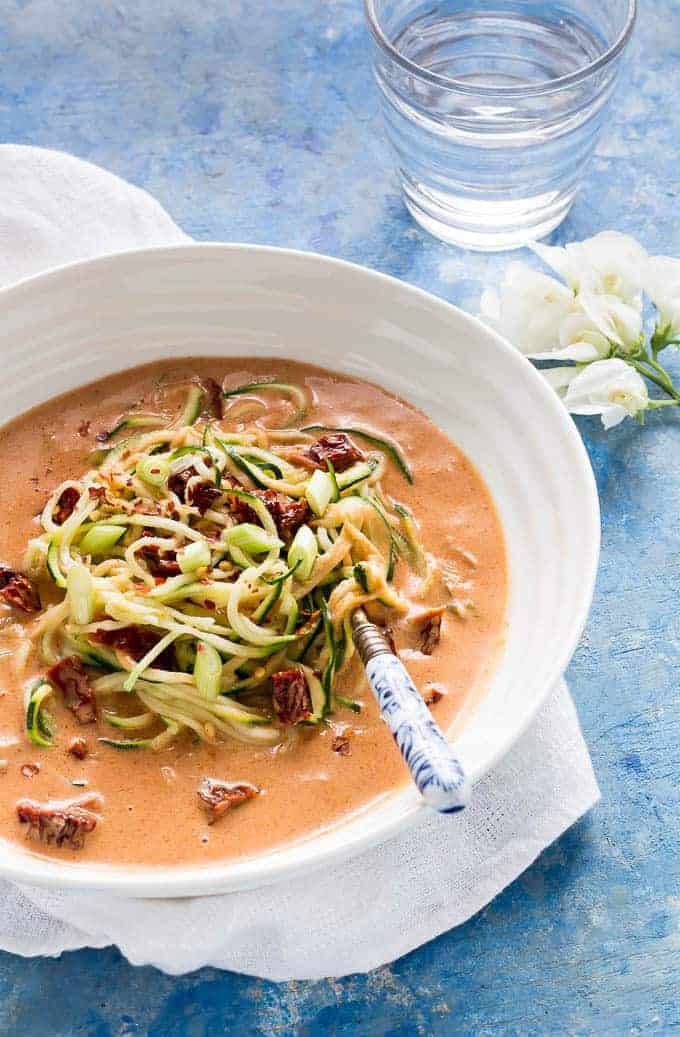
<point>434,767</point>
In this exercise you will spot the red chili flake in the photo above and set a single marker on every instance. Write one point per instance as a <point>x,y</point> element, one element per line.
<point>292,700</point>
<point>18,590</point>
<point>84,428</point>
<point>69,676</point>
<point>337,448</point>
<point>217,797</point>
<point>29,770</point>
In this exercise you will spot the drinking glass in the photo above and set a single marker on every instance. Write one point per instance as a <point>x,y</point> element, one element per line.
<point>493,108</point>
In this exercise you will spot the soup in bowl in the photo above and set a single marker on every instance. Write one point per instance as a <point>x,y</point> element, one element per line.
<point>183,709</point>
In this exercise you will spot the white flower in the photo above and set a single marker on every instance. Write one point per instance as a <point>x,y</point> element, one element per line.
<point>607,264</point>
<point>616,319</point>
<point>579,340</point>
<point>611,388</point>
<point>662,284</point>
<point>529,309</point>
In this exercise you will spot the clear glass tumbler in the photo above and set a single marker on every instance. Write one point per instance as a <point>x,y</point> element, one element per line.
<point>493,108</point>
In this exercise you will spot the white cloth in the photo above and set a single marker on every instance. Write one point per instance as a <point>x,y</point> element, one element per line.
<point>381,904</point>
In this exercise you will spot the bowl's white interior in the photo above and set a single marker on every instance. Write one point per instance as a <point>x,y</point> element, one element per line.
<point>68,327</point>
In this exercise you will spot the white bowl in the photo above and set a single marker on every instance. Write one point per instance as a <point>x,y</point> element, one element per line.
<point>74,324</point>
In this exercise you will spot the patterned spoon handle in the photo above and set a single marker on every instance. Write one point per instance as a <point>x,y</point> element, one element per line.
<point>432,762</point>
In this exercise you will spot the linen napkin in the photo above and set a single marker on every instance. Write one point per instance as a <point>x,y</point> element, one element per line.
<point>370,910</point>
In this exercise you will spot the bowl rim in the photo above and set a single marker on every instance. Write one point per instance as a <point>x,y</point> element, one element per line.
<point>294,859</point>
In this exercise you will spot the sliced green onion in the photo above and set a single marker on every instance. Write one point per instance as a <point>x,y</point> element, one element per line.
<point>154,471</point>
<point>251,538</point>
<point>38,727</point>
<point>100,538</point>
<point>194,556</point>
<point>319,492</point>
<point>303,552</point>
<point>80,590</point>
<point>294,392</point>
<point>388,447</point>
<point>208,670</point>
<point>192,407</point>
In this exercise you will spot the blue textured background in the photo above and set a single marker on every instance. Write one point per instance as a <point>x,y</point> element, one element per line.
<point>256,121</point>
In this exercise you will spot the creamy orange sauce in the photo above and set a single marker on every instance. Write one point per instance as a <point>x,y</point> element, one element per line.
<point>151,813</point>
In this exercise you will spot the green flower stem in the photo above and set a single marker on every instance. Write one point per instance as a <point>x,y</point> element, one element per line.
<point>657,375</point>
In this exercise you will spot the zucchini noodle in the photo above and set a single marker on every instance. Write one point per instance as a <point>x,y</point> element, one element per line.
<point>181,539</point>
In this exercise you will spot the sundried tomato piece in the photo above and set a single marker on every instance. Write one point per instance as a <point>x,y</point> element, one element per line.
<point>288,512</point>
<point>430,629</point>
<point>203,495</point>
<point>135,641</point>
<point>341,746</point>
<point>78,747</point>
<point>58,823</point>
<point>160,562</point>
<point>292,699</point>
<point>178,482</point>
<point>217,797</point>
<point>70,677</point>
<point>18,590</point>
<point>337,448</point>
<point>66,505</point>
<point>432,695</point>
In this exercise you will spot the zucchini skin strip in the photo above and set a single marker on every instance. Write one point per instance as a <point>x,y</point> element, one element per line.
<point>294,392</point>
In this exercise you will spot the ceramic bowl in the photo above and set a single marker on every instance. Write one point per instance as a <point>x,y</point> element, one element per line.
<point>72,325</point>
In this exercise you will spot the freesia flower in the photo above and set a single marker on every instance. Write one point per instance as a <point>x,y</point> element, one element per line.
<point>609,264</point>
<point>619,321</point>
<point>579,339</point>
<point>662,284</point>
<point>529,309</point>
<point>611,388</point>
<point>595,323</point>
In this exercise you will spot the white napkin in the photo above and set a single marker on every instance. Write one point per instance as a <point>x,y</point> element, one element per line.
<point>370,910</point>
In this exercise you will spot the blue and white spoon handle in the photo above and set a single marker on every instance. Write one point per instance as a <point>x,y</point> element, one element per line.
<point>431,760</point>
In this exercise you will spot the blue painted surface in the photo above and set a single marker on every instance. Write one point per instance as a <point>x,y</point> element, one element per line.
<point>258,122</point>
